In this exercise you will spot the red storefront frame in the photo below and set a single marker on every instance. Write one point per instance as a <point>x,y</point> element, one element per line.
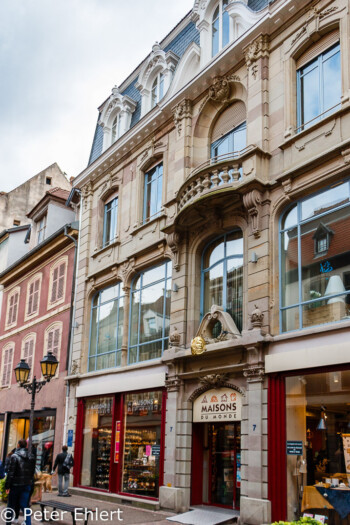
<point>115,477</point>
<point>277,437</point>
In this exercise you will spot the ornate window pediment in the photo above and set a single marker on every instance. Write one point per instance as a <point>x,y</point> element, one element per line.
<point>116,116</point>
<point>217,315</point>
<point>234,19</point>
<point>155,77</point>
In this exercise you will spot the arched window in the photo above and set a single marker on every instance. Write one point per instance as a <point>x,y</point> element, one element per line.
<point>33,296</point>
<point>116,128</point>
<point>53,339</point>
<point>150,313</point>
<point>229,133</point>
<point>28,350</point>
<point>57,286</point>
<point>222,275</point>
<point>315,260</point>
<point>12,307</point>
<point>106,329</point>
<point>7,364</point>
<point>157,89</point>
<point>220,27</point>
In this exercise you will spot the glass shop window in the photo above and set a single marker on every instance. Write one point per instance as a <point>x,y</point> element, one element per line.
<point>97,434</point>
<point>142,442</point>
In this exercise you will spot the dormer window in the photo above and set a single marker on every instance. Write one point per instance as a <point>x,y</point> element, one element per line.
<point>157,89</point>
<point>220,27</point>
<point>155,77</point>
<point>41,227</point>
<point>116,117</point>
<point>322,238</point>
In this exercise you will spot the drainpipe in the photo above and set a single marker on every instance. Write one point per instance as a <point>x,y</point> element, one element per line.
<point>71,320</point>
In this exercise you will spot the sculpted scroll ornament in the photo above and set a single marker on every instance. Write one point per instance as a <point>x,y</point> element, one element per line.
<point>252,203</point>
<point>229,329</point>
<point>257,49</point>
<point>181,111</point>
<point>87,191</point>
<point>173,241</point>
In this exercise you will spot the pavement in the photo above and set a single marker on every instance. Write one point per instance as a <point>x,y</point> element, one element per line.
<point>114,513</point>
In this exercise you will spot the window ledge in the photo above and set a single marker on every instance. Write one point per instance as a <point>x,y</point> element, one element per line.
<point>116,370</point>
<point>304,332</point>
<point>102,249</point>
<point>141,226</point>
<point>295,136</point>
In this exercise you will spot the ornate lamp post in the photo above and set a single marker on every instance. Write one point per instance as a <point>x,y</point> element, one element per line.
<point>49,366</point>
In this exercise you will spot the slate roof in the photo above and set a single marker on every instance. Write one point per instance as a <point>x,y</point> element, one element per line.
<point>178,46</point>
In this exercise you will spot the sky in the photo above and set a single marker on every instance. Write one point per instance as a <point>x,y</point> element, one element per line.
<point>59,60</point>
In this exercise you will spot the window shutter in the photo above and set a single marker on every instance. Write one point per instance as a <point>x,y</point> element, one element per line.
<point>60,287</point>
<point>9,316</point>
<point>28,352</point>
<point>228,120</point>
<point>317,48</point>
<point>36,295</point>
<point>54,285</point>
<point>30,299</point>
<point>49,341</point>
<point>56,342</point>
<point>7,365</point>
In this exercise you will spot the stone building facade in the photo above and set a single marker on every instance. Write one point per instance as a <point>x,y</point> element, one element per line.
<point>211,211</point>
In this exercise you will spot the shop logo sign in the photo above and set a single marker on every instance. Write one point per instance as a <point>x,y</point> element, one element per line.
<point>220,404</point>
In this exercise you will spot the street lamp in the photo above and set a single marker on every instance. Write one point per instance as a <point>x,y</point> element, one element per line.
<point>49,366</point>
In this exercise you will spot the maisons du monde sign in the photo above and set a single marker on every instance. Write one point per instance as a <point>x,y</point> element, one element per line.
<point>219,404</point>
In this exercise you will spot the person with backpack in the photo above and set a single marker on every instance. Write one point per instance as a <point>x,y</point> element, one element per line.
<point>64,462</point>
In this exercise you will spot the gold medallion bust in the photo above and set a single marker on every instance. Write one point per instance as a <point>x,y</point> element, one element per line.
<point>198,346</point>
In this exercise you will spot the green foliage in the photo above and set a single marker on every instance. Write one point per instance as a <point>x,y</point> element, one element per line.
<point>301,521</point>
<point>3,495</point>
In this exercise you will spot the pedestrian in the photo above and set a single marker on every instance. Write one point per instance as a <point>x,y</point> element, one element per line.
<point>2,470</point>
<point>19,480</point>
<point>64,462</point>
<point>8,459</point>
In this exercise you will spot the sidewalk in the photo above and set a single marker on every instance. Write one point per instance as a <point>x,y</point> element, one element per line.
<point>128,514</point>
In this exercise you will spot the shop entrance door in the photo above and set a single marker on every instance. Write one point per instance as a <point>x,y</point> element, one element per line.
<point>216,464</point>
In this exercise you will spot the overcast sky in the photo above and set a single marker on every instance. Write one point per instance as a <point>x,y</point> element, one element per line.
<point>59,60</point>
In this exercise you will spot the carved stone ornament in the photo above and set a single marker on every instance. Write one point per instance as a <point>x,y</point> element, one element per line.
<point>256,317</point>
<point>173,241</point>
<point>315,15</point>
<point>75,368</point>
<point>214,380</point>
<point>174,337</point>
<point>173,384</point>
<point>254,374</point>
<point>87,191</point>
<point>257,49</point>
<point>229,329</point>
<point>181,111</point>
<point>252,203</point>
<point>219,91</point>
<point>127,269</point>
<point>198,346</point>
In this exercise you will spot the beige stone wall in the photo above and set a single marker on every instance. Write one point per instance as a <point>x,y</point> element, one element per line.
<point>15,204</point>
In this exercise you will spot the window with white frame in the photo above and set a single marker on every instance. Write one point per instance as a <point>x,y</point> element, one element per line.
<point>28,349</point>
<point>58,281</point>
<point>150,313</point>
<point>110,221</point>
<point>106,328</point>
<point>41,227</point>
<point>157,89</point>
<point>318,82</point>
<point>33,296</point>
<point>315,260</point>
<point>116,127</point>
<point>53,339</point>
<point>6,365</point>
<point>220,27</point>
<point>222,276</point>
<point>12,307</point>
<point>153,193</point>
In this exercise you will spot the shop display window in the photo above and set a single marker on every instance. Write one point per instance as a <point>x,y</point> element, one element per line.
<point>318,422</point>
<point>97,434</point>
<point>142,443</point>
<point>315,260</point>
<point>43,438</point>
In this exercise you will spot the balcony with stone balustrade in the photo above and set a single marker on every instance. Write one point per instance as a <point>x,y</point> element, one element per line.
<point>223,174</point>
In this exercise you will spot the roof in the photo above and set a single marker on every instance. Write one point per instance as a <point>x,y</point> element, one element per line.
<point>14,229</point>
<point>58,194</point>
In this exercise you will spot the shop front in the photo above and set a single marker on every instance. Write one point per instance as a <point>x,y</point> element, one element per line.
<point>120,442</point>
<point>17,427</point>
<point>309,444</point>
<point>216,448</point>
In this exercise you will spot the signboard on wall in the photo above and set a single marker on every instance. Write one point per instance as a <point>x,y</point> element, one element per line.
<point>219,404</point>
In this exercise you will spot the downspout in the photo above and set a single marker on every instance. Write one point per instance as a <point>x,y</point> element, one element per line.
<point>71,321</point>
